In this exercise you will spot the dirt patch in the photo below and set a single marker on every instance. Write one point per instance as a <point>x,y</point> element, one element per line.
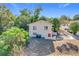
<point>59,43</point>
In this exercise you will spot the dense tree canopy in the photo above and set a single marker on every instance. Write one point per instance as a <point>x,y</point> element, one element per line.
<point>37,11</point>
<point>6,18</point>
<point>26,17</point>
<point>64,19</point>
<point>56,24</point>
<point>74,27</point>
<point>23,20</point>
<point>43,18</point>
<point>12,38</point>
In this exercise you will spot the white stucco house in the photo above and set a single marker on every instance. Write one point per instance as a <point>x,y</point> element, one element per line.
<point>41,28</point>
<point>64,26</point>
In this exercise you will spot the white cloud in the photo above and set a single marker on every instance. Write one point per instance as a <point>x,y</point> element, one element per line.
<point>64,5</point>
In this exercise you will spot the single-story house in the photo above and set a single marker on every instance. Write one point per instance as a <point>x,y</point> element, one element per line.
<point>65,26</point>
<point>41,29</point>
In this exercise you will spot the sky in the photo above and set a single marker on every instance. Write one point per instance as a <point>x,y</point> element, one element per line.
<point>49,9</point>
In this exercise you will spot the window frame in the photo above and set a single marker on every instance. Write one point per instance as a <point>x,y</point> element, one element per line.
<point>34,28</point>
<point>45,27</point>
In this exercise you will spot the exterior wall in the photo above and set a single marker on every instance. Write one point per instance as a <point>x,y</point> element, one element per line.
<point>40,29</point>
<point>64,26</point>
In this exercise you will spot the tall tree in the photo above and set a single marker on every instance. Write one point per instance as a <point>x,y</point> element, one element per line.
<point>76,17</point>
<point>74,27</point>
<point>36,13</point>
<point>6,18</point>
<point>23,19</point>
<point>64,19</point>
<point>43,18</point>
<point>56,24</point>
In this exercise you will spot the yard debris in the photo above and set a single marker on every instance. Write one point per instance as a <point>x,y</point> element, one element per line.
<point>73,47</point>
<point>62,48</point>
<point>67,47</point>
<point>59,49</point>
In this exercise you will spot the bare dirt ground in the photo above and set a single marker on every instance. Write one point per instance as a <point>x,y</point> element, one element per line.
<point>65,53</point>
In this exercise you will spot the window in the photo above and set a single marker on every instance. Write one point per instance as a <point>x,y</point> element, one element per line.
<point>45,27</point>
<point>34,27</point>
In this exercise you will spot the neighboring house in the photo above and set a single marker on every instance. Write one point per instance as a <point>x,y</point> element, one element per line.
<point>65,26</point>
<point>77,33</point>
<point>41,29</point>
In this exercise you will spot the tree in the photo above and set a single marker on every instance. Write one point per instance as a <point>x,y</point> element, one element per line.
<point>76,17</point>
<point>24,19</point>
<point>42,18</point>
<point>6,18</point>
<point>12,39</point>
<point>50,19</point>
<point>36,13</point>
<point>74,27</point>
<point>56,24</point>
<point>64,19</point>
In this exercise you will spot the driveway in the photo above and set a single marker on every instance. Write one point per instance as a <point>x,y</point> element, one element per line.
<point>66,35</point>
<point>40,47</point>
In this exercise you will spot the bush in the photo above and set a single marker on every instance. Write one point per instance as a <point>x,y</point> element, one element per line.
<point>12,38</point>
<point>74,27</point>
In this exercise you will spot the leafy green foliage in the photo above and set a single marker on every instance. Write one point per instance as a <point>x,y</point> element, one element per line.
<point>11,38</point>
<point>36,13</point>
<point>76,17</point>
<point>43,18</point>
<point>6,18</point>
<point>23,20</point>
<point>64,19</point>
<point>56,24</point>
<point>74,27</point>
<point>27,17</point>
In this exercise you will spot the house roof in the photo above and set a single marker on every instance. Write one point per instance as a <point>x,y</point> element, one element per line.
<point>41,21</point>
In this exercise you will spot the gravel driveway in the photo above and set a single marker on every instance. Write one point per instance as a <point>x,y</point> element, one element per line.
<point>40,47</point>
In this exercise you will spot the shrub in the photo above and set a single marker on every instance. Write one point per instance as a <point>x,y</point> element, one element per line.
<point>12,38</point>
<point>74,27</point>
